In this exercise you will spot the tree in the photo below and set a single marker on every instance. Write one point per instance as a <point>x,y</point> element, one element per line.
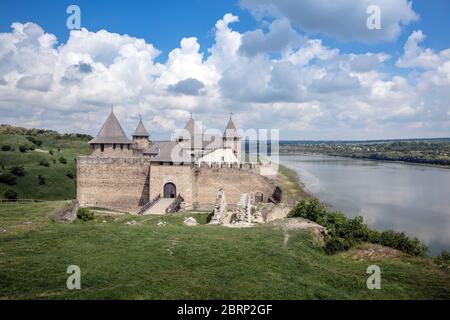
<point>44,163</point>
<point>17,170</point>
<point>23,148</point>
<point>41,180</point>
<point>62,160</point>
<point>6,147</point>
<point>7,178</point>
<point>10,194</point>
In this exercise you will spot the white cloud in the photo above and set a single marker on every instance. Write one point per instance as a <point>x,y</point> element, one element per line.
<point>344,19</point>
<point>415,56</point>
<point>308,90</point>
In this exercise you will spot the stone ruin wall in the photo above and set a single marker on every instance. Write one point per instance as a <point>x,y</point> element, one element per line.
<point>235,181</point>
<point>115,183</point>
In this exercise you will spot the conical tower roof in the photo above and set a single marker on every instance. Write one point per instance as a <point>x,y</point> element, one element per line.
<point>140,130</point>
<point>111,132</point>
<point>192,127</point>
<point>230,130</point>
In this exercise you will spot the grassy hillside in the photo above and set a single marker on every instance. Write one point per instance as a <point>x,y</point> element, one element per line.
<point>146,261</point>
<point>41,153</point>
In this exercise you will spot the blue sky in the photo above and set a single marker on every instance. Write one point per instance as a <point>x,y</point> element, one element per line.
<point>325,78</point>
<point>165,22</point>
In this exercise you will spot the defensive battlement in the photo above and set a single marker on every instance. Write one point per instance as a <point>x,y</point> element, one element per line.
<point>251,167</point>
<point>111,160</point>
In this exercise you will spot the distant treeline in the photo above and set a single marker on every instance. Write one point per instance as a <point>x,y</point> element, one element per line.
<point>433,152</point>
<point>8,129</point>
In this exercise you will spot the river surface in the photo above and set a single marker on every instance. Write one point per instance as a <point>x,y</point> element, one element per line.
<point>403,197</point>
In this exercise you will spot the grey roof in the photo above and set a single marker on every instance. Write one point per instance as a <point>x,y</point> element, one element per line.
<point>140,130</point>
<point>230,130</point>
<point>111,132</point>
<point>211,142</point>
<point>168,151</point>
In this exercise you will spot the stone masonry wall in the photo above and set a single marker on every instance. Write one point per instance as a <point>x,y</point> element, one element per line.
<point>116,183</point>
<point>180,176</point>
<point>234,181</point>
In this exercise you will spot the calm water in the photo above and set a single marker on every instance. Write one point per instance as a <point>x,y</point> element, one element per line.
<point>410,198</point>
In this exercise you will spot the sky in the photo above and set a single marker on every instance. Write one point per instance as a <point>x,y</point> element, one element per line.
<point>311,69</point>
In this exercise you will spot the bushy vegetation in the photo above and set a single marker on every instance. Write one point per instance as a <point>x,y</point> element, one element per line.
<point>343,233</point>
<point>10,194</point>
<point>17,170</point>
<point>44,163</point>
<point>443,259</point>
<point>7,178</point>
<point>63,160</point>
<point>41,180</point>
<point>7,147</point>
<point>85,214</point>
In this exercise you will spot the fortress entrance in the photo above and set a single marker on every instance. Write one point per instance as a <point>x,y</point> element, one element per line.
<point>170,190</point>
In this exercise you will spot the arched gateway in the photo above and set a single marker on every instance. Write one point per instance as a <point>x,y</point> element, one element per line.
<point>170,190</point>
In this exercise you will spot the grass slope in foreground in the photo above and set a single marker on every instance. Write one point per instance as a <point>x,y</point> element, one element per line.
<point>179,262</point>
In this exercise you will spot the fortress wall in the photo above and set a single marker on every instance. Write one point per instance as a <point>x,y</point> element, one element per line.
<point>181,176</point>
<point>116,183</point>
<point>234,181</point>
<point>109,151</point>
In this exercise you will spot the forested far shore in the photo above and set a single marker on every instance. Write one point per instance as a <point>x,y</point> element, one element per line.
<point>422,152</point>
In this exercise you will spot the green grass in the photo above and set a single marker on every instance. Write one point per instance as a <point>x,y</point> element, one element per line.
<point>291,186</point>
<point>58,185</point>
<point>179,262</point>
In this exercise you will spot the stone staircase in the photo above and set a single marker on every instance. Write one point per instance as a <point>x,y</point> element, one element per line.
<point>160,206</point>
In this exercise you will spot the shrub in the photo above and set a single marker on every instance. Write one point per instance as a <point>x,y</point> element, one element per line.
<point>62,160</point>
<point>17,171</point>
<point>70,175</point>
<point>336,244</point>
<point>344,233</point>
<point>7,178</point>
<point>23,148</point>
<point>443,259</point>
<point>400,241</point>
<point>85,214</point>
<point>34,141</point>
<point>10,194</point>
<point>41,180</point>
<point>312,210</point>
<point>44,163</point>
<point>50,151</point>
<point>6,147</point>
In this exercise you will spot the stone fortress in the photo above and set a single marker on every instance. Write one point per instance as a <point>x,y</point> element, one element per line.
<point>144,176</point>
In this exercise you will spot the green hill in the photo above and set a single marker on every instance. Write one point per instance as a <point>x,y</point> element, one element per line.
<point>147,261</point>
<point>48,161</point>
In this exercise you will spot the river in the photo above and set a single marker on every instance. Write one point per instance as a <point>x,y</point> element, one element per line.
<point>403,197</point>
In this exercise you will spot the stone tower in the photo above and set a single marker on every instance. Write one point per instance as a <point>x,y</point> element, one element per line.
<point>231,139</point>
<point>141,138</point>
<point>111,140</point>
